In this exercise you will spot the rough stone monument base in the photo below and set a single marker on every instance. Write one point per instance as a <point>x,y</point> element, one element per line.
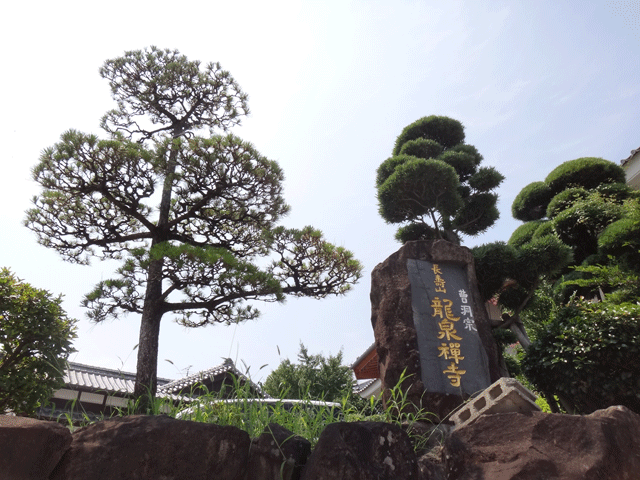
<point>394,319</point>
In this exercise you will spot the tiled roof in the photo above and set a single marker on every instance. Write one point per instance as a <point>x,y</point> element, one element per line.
<point>625,160</point>
<point>226,367</point>
<point>181,383</point>
<point>362,386</point>
<point>90,378</point>
<point>81,376</point>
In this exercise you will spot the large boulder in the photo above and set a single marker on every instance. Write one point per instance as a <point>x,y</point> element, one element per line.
<point>155,447</point>
<point>604,445</point>
<point>394,325</point>
<point>362,451</point>
<point>29,448</point>
<point>277,454</point>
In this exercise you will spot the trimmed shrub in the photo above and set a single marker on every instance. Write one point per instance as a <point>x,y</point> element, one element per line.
<point>386,168</point>
<point>541,256</point>
<point>406,195</point>
<point>486,179</point>
<point>524,233</point>
<point>565,199</point>
<point>618,192</point>
<point>463,163</point>
<point>588,354</point>
<point>531,203</point>
<point>492,262</point>
<point>545,228</point>
<point>422,148</point>
<point>621,239</point>
<point>477,214</point>
<point>444,130</point>
<point>416,231</point>
<point>580,225</point>
<point>469,149</point>
<point>586,172</point>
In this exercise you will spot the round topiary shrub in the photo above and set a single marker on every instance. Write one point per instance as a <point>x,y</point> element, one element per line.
<point>586,172</point>
<point>470,149</point>
<point>531,203</point>
<point>386,168</point>
<point>621,239</point>
<point>492,263</point>
<point>463,163</point>
<point>444,130</point>
<point>421,148</point>
<point>545,228</point>
<point>617,192</point>
<point>416,231</point>
<point>524,233</point>
<point>565,199</point>
<point>582,223</point>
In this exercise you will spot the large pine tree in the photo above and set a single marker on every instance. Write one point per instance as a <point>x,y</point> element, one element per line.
<point>193,219</point>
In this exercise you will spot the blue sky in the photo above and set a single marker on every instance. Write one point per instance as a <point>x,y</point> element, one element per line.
<point>331,84</point>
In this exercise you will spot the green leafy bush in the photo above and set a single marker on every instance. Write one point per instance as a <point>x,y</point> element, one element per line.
<point>315,377</point>
<point>422,231</point>
<point>589,354</point>
<point>35,341</point>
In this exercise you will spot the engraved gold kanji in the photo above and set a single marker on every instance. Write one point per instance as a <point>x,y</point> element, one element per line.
<point>440,284</point>
<point>451,352</point>
<point>437,306</point>
<point>454,374</point>
<point>447,330</point>
<point>448,310</point>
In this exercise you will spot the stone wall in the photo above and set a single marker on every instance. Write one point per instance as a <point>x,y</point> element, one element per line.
<point>604,445</point>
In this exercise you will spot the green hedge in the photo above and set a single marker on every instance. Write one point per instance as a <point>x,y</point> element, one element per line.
<point>589,355</point>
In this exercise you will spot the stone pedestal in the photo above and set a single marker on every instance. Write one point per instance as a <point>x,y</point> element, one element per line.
<point>451,354</point>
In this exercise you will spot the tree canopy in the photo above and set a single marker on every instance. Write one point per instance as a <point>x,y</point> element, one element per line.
<point>564,217</point>
<point>434,185</point>
<point>35,342</point>
<point>193,219</point>
<point>580,236</point>
<point>314,377</point>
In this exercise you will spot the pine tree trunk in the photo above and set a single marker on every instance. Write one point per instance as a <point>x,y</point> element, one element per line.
<point>147,369</point>
<point>146,377</point>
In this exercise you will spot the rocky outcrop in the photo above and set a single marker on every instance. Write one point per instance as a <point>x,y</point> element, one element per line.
<point>30,449</point>
<point>362,451</point>
<point>602,446</point>
<point>155,447</point>
<point>394,330</point>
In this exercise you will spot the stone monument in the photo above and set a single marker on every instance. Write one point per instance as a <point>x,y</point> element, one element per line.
<point>430,323</point>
